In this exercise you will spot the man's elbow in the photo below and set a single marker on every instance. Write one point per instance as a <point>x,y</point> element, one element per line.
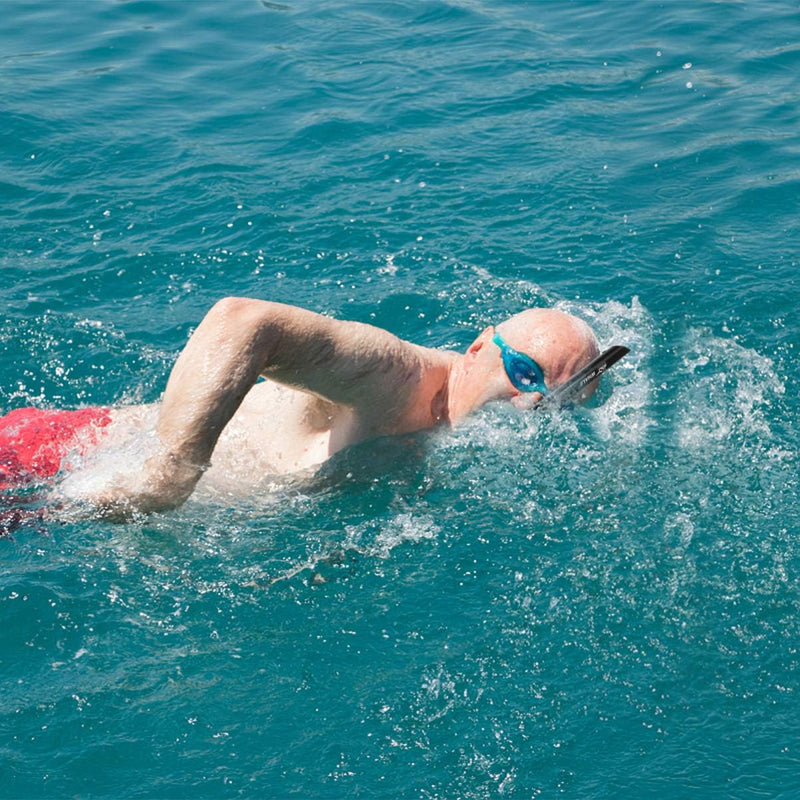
<point>237,309</point>
<point>236,317</point>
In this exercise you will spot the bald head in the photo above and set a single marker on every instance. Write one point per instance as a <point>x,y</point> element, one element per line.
<point>559,342</point>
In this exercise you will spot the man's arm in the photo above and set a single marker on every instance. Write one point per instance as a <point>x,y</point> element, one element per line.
<point>348,363</point>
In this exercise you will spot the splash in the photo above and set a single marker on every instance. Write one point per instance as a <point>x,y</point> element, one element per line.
<point>727,395</point>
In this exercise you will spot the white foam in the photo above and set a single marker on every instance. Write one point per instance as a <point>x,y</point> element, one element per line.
<point>403,528</point>
<point>118,460</point>
<point>725,393</point>
<point>627,390</point>
<point>369,539</point>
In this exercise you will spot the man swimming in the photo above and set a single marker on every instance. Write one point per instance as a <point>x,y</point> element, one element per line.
<point>328,384</point>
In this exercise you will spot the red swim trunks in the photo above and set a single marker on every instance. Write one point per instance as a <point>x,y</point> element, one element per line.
<point>34,441</point>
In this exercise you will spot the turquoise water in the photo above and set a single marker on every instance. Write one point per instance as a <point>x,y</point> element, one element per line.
<point>599,604</point>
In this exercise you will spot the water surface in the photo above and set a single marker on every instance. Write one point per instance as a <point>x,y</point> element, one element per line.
<point>594,604</point>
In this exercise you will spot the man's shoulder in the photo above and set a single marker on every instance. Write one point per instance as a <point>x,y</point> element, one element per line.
<point>414,396</point>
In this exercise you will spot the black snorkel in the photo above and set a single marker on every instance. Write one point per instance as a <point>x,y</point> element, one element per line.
<point>569,391</point>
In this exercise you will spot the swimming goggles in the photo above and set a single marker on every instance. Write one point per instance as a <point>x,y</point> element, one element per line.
<point>523,372</point>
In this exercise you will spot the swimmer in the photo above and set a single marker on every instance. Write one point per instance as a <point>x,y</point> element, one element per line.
<point>327,384</point>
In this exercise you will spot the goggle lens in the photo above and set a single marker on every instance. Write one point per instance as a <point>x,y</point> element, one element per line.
<point>523,372</point>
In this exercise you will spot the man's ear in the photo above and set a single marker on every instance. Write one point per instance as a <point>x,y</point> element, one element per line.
<point>480,341</point>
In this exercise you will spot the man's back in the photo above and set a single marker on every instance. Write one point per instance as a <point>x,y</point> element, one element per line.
<point>278,430</point>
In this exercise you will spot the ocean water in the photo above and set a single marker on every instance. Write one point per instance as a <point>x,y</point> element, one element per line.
<point>596,604</point>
